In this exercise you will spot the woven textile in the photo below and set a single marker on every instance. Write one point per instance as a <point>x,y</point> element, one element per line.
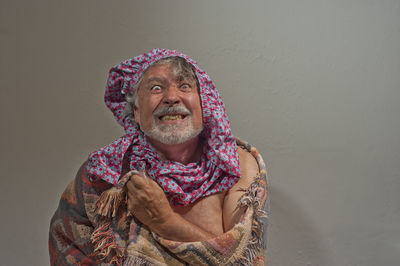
<point>80,236</point>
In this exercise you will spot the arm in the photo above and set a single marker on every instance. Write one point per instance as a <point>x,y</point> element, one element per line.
<point>148,203</point>
<point>248,170</point>
<point>245,243</point>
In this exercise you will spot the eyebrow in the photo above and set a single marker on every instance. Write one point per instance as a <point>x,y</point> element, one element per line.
<point>163,80</point>
<point>157,79</point>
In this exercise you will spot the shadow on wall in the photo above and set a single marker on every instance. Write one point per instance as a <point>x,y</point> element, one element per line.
<point>292,238</point>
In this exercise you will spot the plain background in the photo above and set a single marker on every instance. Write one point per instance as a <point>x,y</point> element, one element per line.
<point>313,84</point>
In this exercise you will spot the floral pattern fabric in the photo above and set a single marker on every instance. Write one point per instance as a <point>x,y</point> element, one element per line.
<point>217,171</point>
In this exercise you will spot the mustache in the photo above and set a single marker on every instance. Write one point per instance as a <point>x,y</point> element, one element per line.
<point>165,110</point>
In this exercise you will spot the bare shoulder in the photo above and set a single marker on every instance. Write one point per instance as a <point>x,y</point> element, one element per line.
<point>248,168</point>
<point>248,171</point>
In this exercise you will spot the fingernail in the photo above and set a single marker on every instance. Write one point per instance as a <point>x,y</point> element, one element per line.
<point>143,174</point>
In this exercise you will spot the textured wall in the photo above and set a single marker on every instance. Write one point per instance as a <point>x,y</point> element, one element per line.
<point>315,85</point>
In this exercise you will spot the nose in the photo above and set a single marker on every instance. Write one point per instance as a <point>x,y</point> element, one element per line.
<point>171,96</point>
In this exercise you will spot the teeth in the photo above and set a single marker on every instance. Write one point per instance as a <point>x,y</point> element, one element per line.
<point>171,117</point>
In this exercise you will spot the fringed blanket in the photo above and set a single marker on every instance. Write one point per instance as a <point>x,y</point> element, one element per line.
<point>92,227</point>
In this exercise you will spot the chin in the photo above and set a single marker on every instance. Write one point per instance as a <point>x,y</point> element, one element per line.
<point>172,136</point>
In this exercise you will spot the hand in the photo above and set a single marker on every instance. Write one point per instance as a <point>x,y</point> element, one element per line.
<point>147,202</point>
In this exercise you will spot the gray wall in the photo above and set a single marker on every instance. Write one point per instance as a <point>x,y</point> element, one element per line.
<point>315,85</point>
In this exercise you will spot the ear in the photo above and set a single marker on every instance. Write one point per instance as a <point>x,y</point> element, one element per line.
<point>137,114</point>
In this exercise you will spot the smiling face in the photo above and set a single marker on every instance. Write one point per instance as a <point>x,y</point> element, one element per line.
<point>169,108</point>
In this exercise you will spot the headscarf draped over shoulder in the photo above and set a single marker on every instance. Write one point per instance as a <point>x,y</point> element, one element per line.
<point>217,171</point>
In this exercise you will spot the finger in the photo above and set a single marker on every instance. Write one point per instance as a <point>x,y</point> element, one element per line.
<point>130,186</point>
<point>143,174</point>
<point>129,202</point>
<point>131,206</point>
<point>137,181</point>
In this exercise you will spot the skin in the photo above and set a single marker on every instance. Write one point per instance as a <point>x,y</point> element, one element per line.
<point>207,217</point>
<point>160,88</point>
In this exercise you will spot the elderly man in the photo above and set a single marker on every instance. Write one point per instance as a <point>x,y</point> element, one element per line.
<point>176,189</point>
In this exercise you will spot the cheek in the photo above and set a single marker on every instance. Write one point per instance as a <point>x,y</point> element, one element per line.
<point>150,104</point>
<point>198,111</point>
<point>200,117</point>
<point>144,114</point>
<point>137,115</point>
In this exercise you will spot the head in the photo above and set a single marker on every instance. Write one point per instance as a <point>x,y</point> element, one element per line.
<point>165,102</point>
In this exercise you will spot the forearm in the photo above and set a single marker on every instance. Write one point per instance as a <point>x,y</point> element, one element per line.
<point>148,203</point>
<point>177,228</point>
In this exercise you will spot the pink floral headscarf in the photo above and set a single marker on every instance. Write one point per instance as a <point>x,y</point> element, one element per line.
<point>218,169</point>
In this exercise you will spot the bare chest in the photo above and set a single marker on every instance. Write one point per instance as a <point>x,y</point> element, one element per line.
<point>205,213</point>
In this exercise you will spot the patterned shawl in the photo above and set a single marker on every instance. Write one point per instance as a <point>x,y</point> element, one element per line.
<point>91,228</point>
<point>218,169</point>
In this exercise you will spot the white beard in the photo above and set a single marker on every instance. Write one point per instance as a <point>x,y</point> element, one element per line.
<point>173,134</point>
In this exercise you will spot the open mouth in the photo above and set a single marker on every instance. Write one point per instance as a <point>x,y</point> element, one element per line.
<point>170,117</point>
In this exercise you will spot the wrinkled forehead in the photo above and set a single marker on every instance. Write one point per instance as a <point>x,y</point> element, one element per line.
<point>179,67</point>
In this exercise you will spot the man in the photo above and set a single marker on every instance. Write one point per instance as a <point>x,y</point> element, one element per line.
<point>176,189</point>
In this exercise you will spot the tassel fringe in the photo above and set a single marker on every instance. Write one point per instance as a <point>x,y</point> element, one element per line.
<point>260,217</point>
<point>105,244</point>
<point>109,201</point>
<point>103,239</point>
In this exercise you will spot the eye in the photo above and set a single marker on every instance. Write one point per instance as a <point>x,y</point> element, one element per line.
<point>185,87</point>
<point>155,89</point>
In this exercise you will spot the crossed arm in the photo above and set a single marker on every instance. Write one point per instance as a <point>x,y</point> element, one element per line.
<point>148,203</point>
<point>71,228</point>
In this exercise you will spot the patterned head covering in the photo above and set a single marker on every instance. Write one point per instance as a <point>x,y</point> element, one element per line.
<point>218,169</point>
